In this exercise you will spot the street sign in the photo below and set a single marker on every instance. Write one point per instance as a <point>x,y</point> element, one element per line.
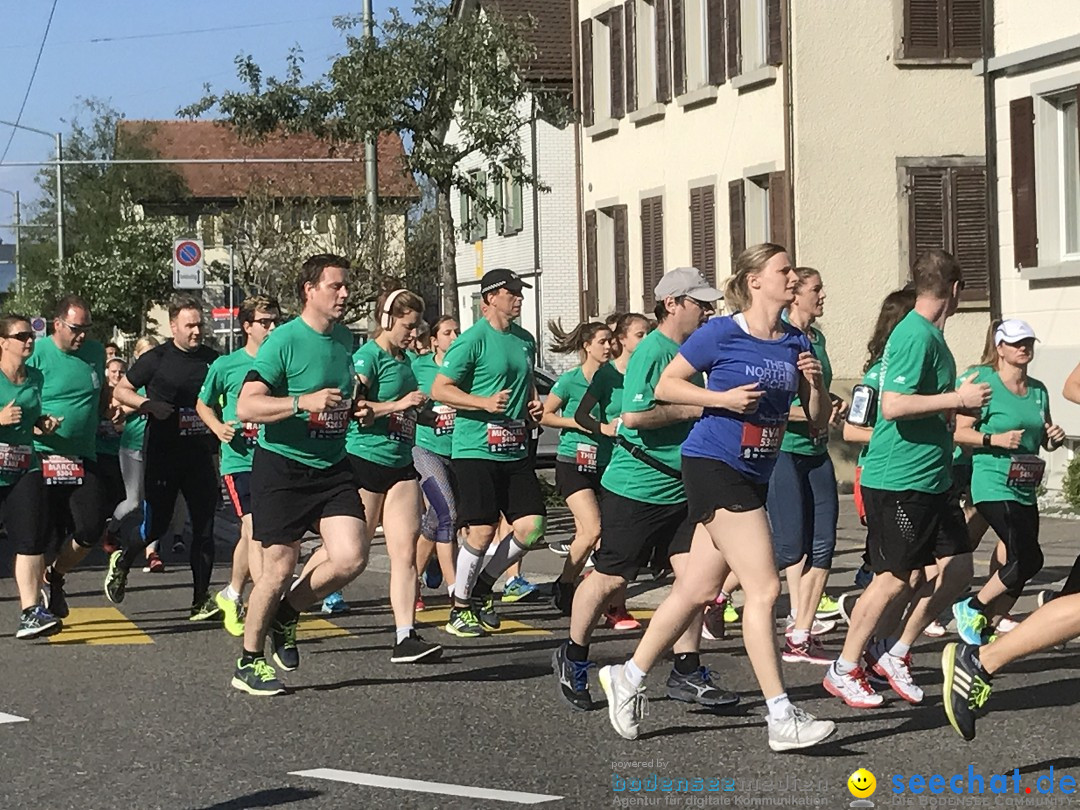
<point>187,264</point>
<point>38,325</point>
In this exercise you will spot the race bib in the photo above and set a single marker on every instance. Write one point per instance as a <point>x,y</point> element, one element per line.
<point>14,458</point>
<point>330,424</point>
<point>586,458</point>
<point>444,420</point>
<point>62,470</point>
<point>401,427</point>
<point>818,437</point>
<point>761,441</point>
<point>107,430</point>
<point>250,432</point>
<point>507,437</point>
<point>1026,472</point>
<point>189,423</point>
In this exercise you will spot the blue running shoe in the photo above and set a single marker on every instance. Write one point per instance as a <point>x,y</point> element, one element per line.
<point>516,589</point>
<point>970,623</point>
<point>863,577</point>
<point>433,574</point>
<point>335,604</point>
<point>573,679</point>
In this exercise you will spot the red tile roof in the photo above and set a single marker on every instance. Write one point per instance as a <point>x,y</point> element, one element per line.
<point>551,35</point>
<point>213,139</point>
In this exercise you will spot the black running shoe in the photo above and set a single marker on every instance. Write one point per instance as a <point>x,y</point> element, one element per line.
<point>36,621</point>
<point>53,594</point>
<point>116,578</point>
<point>573,679</point>
<point>562,597</point>
<point>966,689</point>
<point>698,687</point>
<point>413,648</point>
<point>484,608</point>
<point>257,678</point>
<point>283,641</point>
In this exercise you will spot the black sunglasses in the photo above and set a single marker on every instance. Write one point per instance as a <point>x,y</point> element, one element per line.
<point>21,336</point>
<point>266,323</point>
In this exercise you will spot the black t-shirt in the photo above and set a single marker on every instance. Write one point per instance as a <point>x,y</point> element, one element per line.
<point>175,376</point>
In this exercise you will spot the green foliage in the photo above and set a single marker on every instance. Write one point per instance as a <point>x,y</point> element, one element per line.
<point>552,498</point>
<point>1070,486</point>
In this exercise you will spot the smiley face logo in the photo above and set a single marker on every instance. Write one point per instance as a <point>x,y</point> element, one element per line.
<point>862,784</point>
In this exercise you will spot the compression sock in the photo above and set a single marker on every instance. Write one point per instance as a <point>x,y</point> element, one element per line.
<point>468,567</point>
<point>508,552</point>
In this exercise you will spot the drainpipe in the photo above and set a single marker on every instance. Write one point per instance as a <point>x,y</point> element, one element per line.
<point>789,129</point>
<point>536,232</point>
<point>990,134</point>
<point>579,190</point>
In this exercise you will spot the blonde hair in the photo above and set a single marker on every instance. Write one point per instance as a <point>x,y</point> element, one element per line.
<point>143,344</point>
<point>748,263</point>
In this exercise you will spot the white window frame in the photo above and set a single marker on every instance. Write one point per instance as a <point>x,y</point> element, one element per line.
<point>1050,184</point>
<point>754,25</point>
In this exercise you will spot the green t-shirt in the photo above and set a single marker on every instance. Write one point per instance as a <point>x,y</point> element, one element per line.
<point>295,360</point>
<point>800,438</point>
<point>991,466</point>
<point>389,439</point>
<point>17,441</point>
<point>607,387</point>
<point>913,454</point>
<point>575,445</point>
<point>437,438</point>
<point>72,390</point>
<point>219,391</point>
<point>626,475</point>
<point>134,433</point>
<point>961,456</point>
<point>482,362</point>
<point>872,378</point>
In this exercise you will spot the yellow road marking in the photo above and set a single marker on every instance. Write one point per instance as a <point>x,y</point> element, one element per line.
<point>99,625</point>
<point>441,615</point>
<point>312,627</point>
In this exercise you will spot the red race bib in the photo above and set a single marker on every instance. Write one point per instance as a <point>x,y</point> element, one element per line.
<point>401,427</point>
<point>586,458</point>
<point>507,437</point>
<point>1026,472</point>
<point>330,424</point>
<point>250,432</point>
<point>15,458</point>
<point>761,441</point>
<point>444,420</point>
<point>61,470</point>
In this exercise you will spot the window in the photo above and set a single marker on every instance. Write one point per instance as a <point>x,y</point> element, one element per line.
<point>473,219</point>
<point>703,231</point>
<point>754,35</point>
<point>652,248</point>
<point>508,200</point>
<point>1068,175</point>
<point>697,44</point>
<point>942,29</point>
<point>759,211</point>
<point>607,261</point>
<point>603,74</point>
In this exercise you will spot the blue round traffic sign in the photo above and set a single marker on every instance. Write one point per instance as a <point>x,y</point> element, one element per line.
<point>188,253</point>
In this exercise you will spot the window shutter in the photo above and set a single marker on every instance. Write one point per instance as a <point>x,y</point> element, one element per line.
<point>779,216</point>
<point>588,109</point>
<point>734,38</point>
<point>622,259</point>
<point>501,218</point>
<point>480,218</point>
<point>517,207</point>
<point>924,28</point>
<point>463,216</point>
<point>714,11</point>
<point>652,248</point>
<point>678,46</point>
<point>965,25</point>
<point>1025,224</point>
<point>737,216</point>
<point>618,76</point>
<point>663,53</point>
<point>927,204</point>
<point>703,231</point>
<point>775,51</point>
<point>592,282</point>
<point>697,229</point>
<point>630,54</point>
<point>970,231</point>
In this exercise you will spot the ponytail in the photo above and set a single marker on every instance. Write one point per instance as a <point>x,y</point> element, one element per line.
<point>748,263</point>
<point>576,339</point>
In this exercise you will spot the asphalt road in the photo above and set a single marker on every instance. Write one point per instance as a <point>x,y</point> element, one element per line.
<point>132,708</point>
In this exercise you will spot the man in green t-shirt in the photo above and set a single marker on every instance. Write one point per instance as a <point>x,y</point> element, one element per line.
<point>913,519</point>
<point>216,406</point>
<point>488,377</point>
<point>301,389</point>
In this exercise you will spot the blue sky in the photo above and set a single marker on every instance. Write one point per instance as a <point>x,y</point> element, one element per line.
<point>142,64</point>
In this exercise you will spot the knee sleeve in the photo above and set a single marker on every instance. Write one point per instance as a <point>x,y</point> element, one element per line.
<point>535,533</point>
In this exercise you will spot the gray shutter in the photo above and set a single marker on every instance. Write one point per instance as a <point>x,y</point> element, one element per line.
<point>592,302</point>
<point>924,29</point>
<point>678,46</point>
<point>734,37</point>
<point>663,53</point>
<point>714,10</point>
<point>618,76</point>
<point>1025,222</point>
<point>630,54</point>
<point>588,104</point>
<point>964,19</point>
<point>652,248</point>
<point>775,51</point>
<point>737,216</point>
<point>622,259</point>
<point>928,225</point>
<point>970,231</point>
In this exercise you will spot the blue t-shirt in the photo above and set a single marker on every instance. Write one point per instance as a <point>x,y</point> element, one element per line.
<point>730,357</point>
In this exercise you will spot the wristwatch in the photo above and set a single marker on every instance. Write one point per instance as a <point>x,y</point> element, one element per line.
<point>986,439</point>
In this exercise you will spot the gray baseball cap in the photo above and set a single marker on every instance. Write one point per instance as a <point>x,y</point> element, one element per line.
<point>686,281</point>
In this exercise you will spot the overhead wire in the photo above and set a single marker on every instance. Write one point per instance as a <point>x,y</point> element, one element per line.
<point>30,84</point>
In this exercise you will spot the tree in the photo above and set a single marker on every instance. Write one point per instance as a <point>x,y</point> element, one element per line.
<point>415,78</point>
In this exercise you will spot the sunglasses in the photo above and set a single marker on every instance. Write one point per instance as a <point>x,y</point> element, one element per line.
<point>266,323</point>
<point>22,337</point>
<point>78,329</point>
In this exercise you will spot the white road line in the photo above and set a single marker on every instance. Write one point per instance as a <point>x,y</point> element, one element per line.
<point>418,786</point>
<point>12,718</point>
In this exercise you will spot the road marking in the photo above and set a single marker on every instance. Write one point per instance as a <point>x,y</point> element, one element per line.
<point>418,786</point>
<point>312,627</point>
<point>12,718</point>
<point>99,625</point>
<point>441,615</point>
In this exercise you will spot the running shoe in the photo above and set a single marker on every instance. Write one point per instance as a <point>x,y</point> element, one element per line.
<point>851,688</point>
<point>846,605</point>
<point>205,608</point>
<point>36,621</point>
<point>573,679</point>
<point>731,615</point>
<point>620,619</point>
<point>464,624</point>
<point>562,597</point>
<point>433,574</point>
<point>419,605</point>
<point>484,608</point>
<point>559,549</point>
<point>232,612</point>
<point>967,687</point>
<point>115,579</point>
<point>810,651</point>
<point>283,641</point>
<point>713,626</point>
<point>935,629</point>
<point>799,729</point>
<point>154,565</point>
<point>626,704</point>
<point>52,595</point>
<point>698,687</point>
<point>1044,596</point>
<point>516,589</point>
<point>413,648</point>
<point>827,607</point>
<point>818,628</point>
<point>335,603</point>
<point>897,671</point>
<point>970,623</point>
<point>863,577</point>
<point>1007,624</point>
<point>257,678</point>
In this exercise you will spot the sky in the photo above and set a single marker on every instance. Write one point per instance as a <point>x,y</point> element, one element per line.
<point>147,59</point>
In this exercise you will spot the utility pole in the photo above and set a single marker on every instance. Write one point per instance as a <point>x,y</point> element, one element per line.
<point>371,157</point>
<point>60,211</point>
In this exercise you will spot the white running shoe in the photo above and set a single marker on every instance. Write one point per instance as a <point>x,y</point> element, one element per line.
<point>935,629</point>
<point>626,704</point>
<point>897,671</point>
<point>798,730</point>
<point>1007,624</point>
<point>851,688</point>
<point>819,628</point>
<point>1044,596</point>
<point>809,652</point>
<point>846,603</point>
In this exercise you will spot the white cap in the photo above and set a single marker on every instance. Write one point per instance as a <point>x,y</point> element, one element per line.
<point>1013,331</point>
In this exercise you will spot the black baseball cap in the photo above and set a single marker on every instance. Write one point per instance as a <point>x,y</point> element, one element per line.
<point>502,277</point>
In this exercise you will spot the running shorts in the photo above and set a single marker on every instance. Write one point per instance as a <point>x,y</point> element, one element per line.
<point>378,478</point>
<point>569,479</point>
<point>908,530</point>
<point>711,485</point>
<point>488,488</point>
<point>238,488</point>
<point>22,510</point>
<point>631,531</point>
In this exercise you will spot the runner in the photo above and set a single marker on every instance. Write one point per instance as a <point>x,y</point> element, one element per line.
<point>110,435</point>
<point>912,517</point>
<point>487,377</point>
<point>179,454</point>
<point>22,489</point>
<point>755,365</point>
<point>216,407</point>
<point>1006,471</point>
<point>381,459</point>
<point>301,390</point>
<point>644,503</point>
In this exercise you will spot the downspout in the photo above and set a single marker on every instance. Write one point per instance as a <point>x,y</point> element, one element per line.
<point>990,135</point>
<point>789,130</point>
<point>536,232</point>
<point>579,190</point>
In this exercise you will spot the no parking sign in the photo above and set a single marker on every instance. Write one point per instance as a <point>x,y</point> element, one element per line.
<point>187,264</point>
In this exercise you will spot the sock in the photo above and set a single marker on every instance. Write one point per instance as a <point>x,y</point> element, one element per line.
<point>634,675</point>
<point>230,593</point>
<point>489,552</point>
<point>469,561</point>
<point>249,657</point>
<point>508,552</point>
<point>899,649</point>
<point>687,663</point>
<point>450,590</point>
<point>793,614</point>
<point>577,652</point>
<point>403,633</point>
<point>843,667</point>
<point>976,604</point>
<point>724,597</point>
<point>484,585</point>
<point>799,637</point>
<point>779,707</point>
<point>286,612</point>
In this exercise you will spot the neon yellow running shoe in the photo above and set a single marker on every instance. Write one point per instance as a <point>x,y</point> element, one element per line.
<point>731,615</point>
<point>232,614</point>
<point>827,607</point>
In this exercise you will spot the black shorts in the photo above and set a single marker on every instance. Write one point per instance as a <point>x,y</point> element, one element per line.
<point>108,468</point>
<point>289,498</point>
<point>569,479</point>
<point>22,510</point>
<point>238,488</point>
<point>378,478</point>
<point>908,530</point>
<point>961,476</point>
<point>632,531</point>
<point>487,489</point>
<point>711,484</point>
<point>80,511</point>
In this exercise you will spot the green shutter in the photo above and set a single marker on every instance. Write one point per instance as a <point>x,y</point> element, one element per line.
<point>517,209</point>
<point>481,228</point>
